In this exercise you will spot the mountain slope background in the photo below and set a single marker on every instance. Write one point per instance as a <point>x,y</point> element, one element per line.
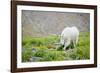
<point>44,23</point>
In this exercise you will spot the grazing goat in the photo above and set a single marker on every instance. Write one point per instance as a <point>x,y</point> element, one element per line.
<point>69,37</point>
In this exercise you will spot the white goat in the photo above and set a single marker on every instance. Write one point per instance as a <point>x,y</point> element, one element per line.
<point>69,36</point>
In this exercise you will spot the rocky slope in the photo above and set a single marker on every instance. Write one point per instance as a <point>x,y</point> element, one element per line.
<point>43,23</point>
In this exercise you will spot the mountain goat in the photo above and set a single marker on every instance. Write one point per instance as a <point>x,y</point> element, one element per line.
<point>69,37</point>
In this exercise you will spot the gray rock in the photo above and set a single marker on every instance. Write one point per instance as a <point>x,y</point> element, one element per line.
<point>34,59</point>
<point>33,49</point>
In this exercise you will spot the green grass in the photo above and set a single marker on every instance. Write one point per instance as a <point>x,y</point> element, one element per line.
<point>49,51</point>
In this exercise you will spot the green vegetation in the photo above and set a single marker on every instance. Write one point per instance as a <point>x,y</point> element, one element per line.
<point>46,48</point>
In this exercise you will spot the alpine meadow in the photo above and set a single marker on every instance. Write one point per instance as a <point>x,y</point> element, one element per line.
<point>41,35</point>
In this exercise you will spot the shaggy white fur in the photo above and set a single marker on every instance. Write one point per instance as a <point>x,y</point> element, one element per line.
<point>68,36</point>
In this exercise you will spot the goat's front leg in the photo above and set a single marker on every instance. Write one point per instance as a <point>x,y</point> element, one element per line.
<point>66,44</point>
<point>64,47</point>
